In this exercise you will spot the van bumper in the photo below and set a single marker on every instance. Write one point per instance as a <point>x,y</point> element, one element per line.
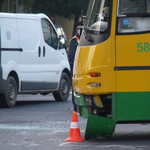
<point>2,86</point>
<point>2,82</point>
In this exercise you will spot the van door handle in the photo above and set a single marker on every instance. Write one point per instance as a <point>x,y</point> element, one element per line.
<point>43,51</point>
<point>39,51</point>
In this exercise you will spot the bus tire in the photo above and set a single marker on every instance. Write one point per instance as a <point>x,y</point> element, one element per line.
<point>64,88</point>
<point>8,99</point>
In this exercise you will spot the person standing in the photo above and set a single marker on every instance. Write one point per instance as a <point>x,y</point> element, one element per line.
<point>71,55</point>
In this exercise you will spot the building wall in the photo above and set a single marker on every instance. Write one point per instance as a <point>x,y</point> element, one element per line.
<point>4,6</point>
<point>9,6</point>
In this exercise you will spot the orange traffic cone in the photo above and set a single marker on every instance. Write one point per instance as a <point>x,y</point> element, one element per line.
<point>74,134</point>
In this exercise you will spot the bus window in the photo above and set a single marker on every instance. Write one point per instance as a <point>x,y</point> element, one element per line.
<point>98,15</point>
<point>133,6</point>
<point>132,24</point>
<point>133,16</point>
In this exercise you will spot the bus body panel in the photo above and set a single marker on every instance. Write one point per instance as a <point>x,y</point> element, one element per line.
<point>100,59</point>
<point>132,50</point>
<point>132,106</point>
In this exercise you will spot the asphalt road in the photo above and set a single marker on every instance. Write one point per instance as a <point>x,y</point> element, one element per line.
<point>40,123</point>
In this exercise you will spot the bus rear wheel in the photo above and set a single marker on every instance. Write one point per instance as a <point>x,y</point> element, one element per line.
<point>8,99</point>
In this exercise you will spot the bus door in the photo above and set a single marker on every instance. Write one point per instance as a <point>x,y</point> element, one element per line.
<point>132,55</point>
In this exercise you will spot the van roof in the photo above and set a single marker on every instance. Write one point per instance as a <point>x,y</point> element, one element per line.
<point>21,15</point>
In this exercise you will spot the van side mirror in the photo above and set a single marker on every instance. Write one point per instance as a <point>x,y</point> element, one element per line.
<point>62,42</point>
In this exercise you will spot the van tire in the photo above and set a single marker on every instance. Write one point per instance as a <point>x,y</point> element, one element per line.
<point>64,88</point>
<point>9,98</point>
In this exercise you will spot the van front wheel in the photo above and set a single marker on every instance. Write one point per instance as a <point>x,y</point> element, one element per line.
<point>9,98</point>
<point>64,88</point>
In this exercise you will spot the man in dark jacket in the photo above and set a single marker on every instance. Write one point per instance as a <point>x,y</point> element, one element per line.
<point>71,55</point>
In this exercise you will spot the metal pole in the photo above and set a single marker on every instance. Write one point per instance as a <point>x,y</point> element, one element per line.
<point>8,5</point>
<point>16,6</point>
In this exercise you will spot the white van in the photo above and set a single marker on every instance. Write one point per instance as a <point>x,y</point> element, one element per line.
<point>30,58</point>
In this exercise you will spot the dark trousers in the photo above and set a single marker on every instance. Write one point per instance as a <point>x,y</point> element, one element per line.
<point>73,102</point>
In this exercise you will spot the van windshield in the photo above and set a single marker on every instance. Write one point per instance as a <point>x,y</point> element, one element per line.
<point>97,16</point>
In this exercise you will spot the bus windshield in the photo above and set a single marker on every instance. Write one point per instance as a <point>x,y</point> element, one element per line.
<point>97,16</point>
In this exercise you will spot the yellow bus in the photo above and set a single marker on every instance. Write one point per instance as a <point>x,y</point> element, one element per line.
<point>111,79</point>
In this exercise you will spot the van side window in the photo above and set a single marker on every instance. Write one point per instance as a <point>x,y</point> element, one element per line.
<point>49,34</point>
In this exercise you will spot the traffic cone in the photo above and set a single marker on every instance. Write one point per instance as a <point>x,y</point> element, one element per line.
<point>74,134</point>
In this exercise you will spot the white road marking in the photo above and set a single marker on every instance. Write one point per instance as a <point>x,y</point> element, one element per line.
<point>102,146</point>
<point>62,144</point>
<point>29,127</point>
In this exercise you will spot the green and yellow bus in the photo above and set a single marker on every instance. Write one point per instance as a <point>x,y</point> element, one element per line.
<point>111,77</point>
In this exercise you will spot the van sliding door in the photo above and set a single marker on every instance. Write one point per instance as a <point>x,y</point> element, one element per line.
<point>31,66</point>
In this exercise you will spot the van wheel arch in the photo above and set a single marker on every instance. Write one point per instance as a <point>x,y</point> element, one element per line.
<point>15,76</point>
<point>67,72</point>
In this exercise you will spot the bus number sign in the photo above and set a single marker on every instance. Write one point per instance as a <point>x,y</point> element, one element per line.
<point>143,47</point>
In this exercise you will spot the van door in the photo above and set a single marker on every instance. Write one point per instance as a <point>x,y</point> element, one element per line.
<point>31,66</point>
<point>9,46</point>
<point>51,57</point>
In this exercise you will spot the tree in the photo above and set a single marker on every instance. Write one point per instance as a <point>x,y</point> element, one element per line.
<point>1,2</point>
<point>26,6</point>
<point>70,9</point>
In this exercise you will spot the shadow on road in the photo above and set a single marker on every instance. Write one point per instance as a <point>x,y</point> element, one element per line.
<point>33,103</point>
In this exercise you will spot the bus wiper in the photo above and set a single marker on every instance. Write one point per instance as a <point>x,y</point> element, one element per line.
<point>88,37</point>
